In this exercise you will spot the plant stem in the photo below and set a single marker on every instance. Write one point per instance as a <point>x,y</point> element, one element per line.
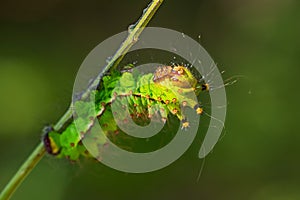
<point>134,32</point>
<point>24,170</point>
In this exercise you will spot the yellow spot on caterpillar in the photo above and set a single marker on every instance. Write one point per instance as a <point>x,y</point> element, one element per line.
<point>185,124</point>
<point>179,69</point>
<point>53,146</point>
<point>199,111</point>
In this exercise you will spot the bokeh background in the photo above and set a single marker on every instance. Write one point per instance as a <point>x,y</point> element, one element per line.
<point>42,44</point>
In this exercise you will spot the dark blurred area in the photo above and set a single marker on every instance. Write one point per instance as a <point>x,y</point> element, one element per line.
<point>42,44</point>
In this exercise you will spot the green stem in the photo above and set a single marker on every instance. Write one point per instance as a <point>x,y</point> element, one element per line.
<point>39,151</point>
<point>24,170</point>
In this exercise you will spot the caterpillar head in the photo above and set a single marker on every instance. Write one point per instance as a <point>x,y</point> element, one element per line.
<point>178,76</point>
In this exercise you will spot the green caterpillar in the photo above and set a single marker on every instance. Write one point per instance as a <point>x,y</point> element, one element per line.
<point>148,96</point>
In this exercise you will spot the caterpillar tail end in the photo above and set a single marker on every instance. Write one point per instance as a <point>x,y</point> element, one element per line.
<point>48,141</point>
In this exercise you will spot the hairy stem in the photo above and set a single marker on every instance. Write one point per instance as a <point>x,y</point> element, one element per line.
<point>134,32</point>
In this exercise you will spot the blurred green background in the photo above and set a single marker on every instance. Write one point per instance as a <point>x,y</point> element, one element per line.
<point>42,44</point>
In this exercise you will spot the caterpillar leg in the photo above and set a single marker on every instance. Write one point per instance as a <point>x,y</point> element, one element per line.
<point>192,104</point>
<point>177,110</point>
<point>163,111</point>
<point>185,124</point>
<point>183,118</point>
